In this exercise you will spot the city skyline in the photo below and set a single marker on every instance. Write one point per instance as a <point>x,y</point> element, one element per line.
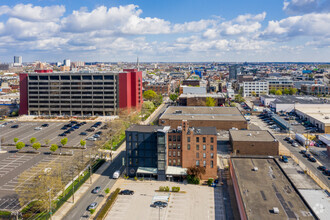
<point>171,31</point>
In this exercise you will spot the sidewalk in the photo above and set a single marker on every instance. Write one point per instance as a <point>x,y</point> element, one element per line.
<point>66,207</point>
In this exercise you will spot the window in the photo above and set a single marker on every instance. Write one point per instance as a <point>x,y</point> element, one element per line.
<point>173,153</point>
<point>179,146</point>
<point>204,139</point>
<point>211,164</point>
<point>197,139</point>
<point>188,139</point>
<point>169,138</point>
<point>204,155</point>
<point>197,155</point>
<point>212,139</point>
<point>170,162</point>
<point>170,153</point>
<point>197,162</point>
<point>174,146</point>
<point>174,162</point>
<point>174,138</point>
<point>169,145</point>
<point>212,155</point>
<point>178,138</point>
<point>179,162</point>
<point>204,147</point>
<point>188,146</point>
<point>129,137</point>
<point>211,147</point>
<point>197,147</point>
<point>178,153</point>
<point>204,163</point>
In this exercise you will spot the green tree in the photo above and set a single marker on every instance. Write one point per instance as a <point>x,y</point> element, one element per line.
<point>147,106</point>
<point>286,91</point>
<point>82,142</point>
<point>20,145</point>
<point>36,145</point>
<point>15,140</point>
<point>239,98</point>
<point>150,95</point>
<point>293,91</point>
<point>210,102</point>
<point>158,100</point>
<point>278,92</point>
<point>272,91</point>
<point>53,148</point>
<point>253,93</point>
<point>64,141</point>
<point>174,96</point>
<point>32,140</point>
<point>107,190</point>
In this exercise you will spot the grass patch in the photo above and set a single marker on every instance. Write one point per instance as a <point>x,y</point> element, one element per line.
<point>106,208</point>
<point>5,213</point>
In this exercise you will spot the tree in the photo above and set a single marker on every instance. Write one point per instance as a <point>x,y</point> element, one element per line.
<point>253,93</point>
<point>173,97</point>
<point>149,95</point>
<point>272,91</point>
<point>64,141</point>
<point>239,98</point>
<point>15,140</point>
<point>53,148</point>
<point>293,91</point>
<point>232,104</point>
<point>36,145</point>
<point>46,142</point>
<point>20,145</point>
<point>32,140</point>
<point>147,106</point>
<point>107,190</point>
<point>210,102</point>
<point>286,91</point>
<point>158,100</point>
<point>82,143</point>
<point>278,92</point>
<point>196,171</point>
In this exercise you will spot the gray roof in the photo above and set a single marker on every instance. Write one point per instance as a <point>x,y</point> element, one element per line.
<point>192,95</point>
<point>298,99</point>
<point>145,128</point>
<point>202,113</point>
<point>203,130</point>
<point>248,135</point>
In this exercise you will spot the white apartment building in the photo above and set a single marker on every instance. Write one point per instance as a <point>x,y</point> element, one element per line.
<point>259,87</point>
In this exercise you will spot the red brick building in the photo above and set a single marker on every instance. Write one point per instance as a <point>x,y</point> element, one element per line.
<point>161,88</point>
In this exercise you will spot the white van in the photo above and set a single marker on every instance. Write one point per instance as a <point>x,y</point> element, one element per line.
<point>116,174</point>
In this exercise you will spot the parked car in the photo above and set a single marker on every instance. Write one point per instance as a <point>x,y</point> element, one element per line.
<point>76,127</point>
<point>126,192</point>
<point>291,141</point>
<point>99,133</point>
<point>67,132</point>
<point>38,128</point>
<point>91,139</point>
<point>96,190</point>
<point>287,138</point>
<point>96,136</point>
<point>62,135</point>
<point>90,129</point>
<point>159,204</point>
<point>327,172</point>
<point>83,133</point>
<point>284,159</point>
<point>14,126</point>
<point>92,206</point>
<point>64,127</point>
<point>44,125</point>
<point>295,144</point>
<point>308,155</point>
<point>116,174</point>
<point>303,152</point>
<point>322,168</point>
<point>312,159</point>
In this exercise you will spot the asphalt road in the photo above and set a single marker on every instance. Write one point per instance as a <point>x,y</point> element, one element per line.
<point>79,211</point>
<point>311,166</point>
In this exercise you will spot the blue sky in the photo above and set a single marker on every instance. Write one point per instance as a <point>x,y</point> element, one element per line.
<point>165,30</point>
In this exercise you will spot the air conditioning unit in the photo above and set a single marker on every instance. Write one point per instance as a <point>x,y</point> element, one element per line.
<point>276,210</point>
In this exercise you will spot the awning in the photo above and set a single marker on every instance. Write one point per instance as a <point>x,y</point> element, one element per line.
<point>176,171</point>
<point>146,170</point>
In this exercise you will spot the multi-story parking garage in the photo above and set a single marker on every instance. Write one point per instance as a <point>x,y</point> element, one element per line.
<point>79,93</point>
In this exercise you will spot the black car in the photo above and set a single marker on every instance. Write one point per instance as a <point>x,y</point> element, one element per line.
<point>159,204</point>
<point>69,125</point>
<point>287,138</point>
<point>83,123</point>
<point>303,152</point>
<point>44,125</point>
<point>71,129</point>
<point>322,168</point>
<point>96,190</point>
<point>83,133</point>
<point>104,127</point>
<point>90,129</point>
<point>73,122</point>
<point>14,126</point>
<point>126,192</point>
<point>99,132</point>
<point>67,132</point>
<point>312,159</point>
<point>62,135</point>
<point>64,128</point>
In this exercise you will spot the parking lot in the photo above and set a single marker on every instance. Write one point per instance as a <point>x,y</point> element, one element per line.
<point>193,202</point>
<point>26,130</point>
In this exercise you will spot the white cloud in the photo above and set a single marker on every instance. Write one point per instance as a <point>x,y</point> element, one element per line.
<point>193,26</point>
<point>306,6</point>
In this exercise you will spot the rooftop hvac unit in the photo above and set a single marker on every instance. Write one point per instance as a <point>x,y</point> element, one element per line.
<point>255,168</point>
<point>276,210</point>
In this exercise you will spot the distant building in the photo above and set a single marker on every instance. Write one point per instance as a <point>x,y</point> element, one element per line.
<point>256,87</point>
<point>200,99</point>
<point>67,62</point>
<point>248,142</point>
<point>18,60</point>
<point>315,89</point>
<point>233,71</point>
<point>193,89</point>
<point>223,118</point>
<point>162,88</point>
<point>279,83</point>
<point>191,82</point>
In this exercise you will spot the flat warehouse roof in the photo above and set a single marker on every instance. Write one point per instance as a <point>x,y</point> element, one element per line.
<point>267,188</point>
<point>248,135</point>
<point>321,114</point>
<point>202,113</point>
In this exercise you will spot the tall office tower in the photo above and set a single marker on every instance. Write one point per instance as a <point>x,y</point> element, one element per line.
<point>17,60</point>
<point>66,62</point>
<point>233,72</point>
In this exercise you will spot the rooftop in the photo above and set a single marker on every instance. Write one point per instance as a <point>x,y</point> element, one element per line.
<point>319,113</point>
<point>319,200</point>
<point>248,135</point>
<point>267,188</point>
<point>147,128</point>
<point>202,113</point>
<point>289,99</point>
<point>203,130</point>
<point>191,95</point>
